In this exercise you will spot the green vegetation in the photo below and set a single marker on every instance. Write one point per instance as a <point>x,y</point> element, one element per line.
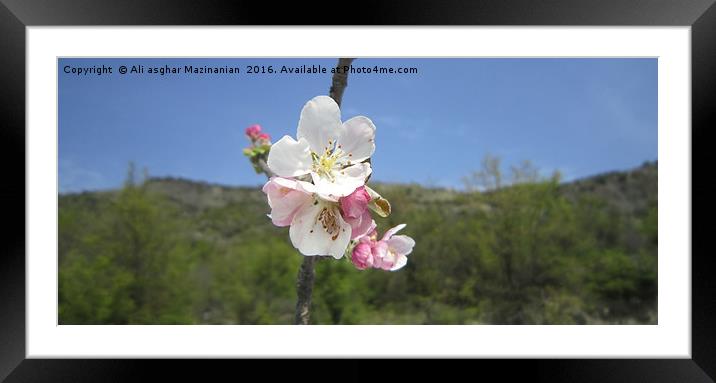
<point>516,248</point>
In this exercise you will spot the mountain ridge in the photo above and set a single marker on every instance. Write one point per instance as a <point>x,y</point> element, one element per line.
<point>616,186</point>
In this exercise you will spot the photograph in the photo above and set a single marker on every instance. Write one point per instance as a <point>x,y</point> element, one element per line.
<point>476,181</point>
<point>357,191</point>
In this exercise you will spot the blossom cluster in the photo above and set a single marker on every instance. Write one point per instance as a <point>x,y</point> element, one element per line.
<point>319,189</point>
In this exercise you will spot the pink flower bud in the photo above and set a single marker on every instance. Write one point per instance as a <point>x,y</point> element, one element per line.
<point>362,256</point>
<point>355,204</point>
<point>264,137</point>
<point>253,131</point>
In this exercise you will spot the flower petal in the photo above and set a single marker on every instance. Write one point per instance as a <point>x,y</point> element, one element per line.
<point>305,187</point>
<point>310,238</point>
<point>381,255</point>
<point>284,199</point>
<point>400,261</point>
<point>355,204</point>
<point>401,244</point>
<point>290,183</point>
<point>290,158</point>
<point>392,231</point>
<point>361,226</point>
<point>320,123</point>
<point>357,139</point>
<point>275,183</point>
<point>344,181</point>
<point>371,235</point>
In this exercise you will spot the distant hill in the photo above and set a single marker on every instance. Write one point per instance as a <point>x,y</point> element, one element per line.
<point>630,191</point>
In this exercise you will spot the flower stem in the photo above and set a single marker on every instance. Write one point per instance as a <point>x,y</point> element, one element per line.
<point>306,273</point>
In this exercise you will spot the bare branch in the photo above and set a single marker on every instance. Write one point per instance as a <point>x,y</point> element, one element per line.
<point>340,81</point>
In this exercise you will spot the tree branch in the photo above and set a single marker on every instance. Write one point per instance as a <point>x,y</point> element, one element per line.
<point>340,81</point>
<point>306,273</point>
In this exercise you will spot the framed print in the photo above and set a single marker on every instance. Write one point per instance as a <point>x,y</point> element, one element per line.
<point>478,182</point>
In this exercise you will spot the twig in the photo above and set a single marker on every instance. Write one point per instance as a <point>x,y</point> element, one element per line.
<point>261,162</point>
<point>307,273</point>
<point>340,81</point>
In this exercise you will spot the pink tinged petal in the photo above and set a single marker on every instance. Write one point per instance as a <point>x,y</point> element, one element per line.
<point>284,199</point>
<point>380,249</point>
<point>357,139</point>
<point>392,231</point>
<point>273,187</point>
<point>381,256</point>
<point>362,257</point>
<point>371,236</point>
<point>371,232</point>
<point>290,158</point>
<point>401,244</point>
<point>385,264</point>
<point>400,261</point>
<point>283,210</point>
<point>276,184</point>
<point>362,225</point>
<point>344,181</point>
<point>320,123</point>
<point>355,204</point>
<point>318,229</point>
<point>305,187</point>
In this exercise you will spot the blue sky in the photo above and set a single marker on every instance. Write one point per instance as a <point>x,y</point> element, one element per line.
<point>580,116</point>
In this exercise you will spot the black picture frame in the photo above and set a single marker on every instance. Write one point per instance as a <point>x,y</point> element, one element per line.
<point>15,15</point>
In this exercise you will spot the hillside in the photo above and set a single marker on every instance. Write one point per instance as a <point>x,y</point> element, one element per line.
<point>178,251</point>
<point>630,191</point>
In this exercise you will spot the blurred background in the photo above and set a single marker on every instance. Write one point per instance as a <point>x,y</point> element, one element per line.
<point>529,185</point>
